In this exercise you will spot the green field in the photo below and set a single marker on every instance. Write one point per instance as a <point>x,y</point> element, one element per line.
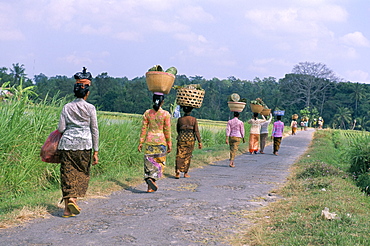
<point>30,188</point>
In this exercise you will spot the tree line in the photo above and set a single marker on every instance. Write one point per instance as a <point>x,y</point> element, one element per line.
<point>311,89</point>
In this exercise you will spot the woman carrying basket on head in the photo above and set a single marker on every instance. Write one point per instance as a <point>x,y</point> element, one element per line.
<point>188,132</point>
<point>156,134</point>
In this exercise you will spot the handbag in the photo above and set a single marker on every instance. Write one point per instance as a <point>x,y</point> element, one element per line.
<point>49,151</point>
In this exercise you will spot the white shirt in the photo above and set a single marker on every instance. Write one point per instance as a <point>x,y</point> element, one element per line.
<point>265,125</point>
<point>79,126</point>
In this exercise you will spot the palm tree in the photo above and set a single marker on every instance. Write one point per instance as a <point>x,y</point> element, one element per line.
<point>343,117</point>
<point>357,95</point>
<point>17,72</point>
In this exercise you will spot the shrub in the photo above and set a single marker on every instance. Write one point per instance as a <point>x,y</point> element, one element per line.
<point>363,181</point>
<point>318,169</point>
<point>359,155</point>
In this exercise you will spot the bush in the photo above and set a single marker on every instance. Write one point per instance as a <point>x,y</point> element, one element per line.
<point>359,155</point>
<point>363,181</point>
<point>318,169</point>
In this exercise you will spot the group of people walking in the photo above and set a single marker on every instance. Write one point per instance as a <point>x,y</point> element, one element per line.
<point>257,135</point>
<point>79,145</point>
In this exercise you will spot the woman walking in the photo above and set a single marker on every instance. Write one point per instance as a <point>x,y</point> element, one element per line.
<point>254,133</point>
<point>277,134</point>
<point>264,133</point>
<point>294,126</point>
<point>188,132</point>
<point>156,134</point>
<point>79,126</point>
<point>234,134</point>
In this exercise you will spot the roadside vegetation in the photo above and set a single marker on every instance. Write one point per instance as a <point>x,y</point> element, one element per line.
<point>30,188</point>
<point>325,177</point>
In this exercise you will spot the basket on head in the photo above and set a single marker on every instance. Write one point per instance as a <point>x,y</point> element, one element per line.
<point>279,112</point>
<point>295,116</point>
<point>256,108</point>
<point>159,81</point>
<point>266,112</point>
<point>236,106</point>
<point>189,97</point>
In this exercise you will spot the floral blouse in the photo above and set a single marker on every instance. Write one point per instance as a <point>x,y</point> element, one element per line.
<point>156,129</point>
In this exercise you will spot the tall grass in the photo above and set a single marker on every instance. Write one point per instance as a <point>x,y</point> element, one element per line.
<point>24,127</point>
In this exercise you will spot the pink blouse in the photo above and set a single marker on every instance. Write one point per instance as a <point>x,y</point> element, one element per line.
<point>156,129</point>
<point>235,128</point>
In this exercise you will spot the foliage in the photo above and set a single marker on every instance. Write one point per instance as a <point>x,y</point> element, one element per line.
<point>359,154</point>
<point>339,103</point>
<point>318,169</point>
<point>363,181</point>
<point>296,220</point>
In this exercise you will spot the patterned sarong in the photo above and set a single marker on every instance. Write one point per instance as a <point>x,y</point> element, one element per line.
<point>183,155</point>
<point>75,172</point>
<point>234,145</point>
<point>277,142</point>
<point>154,161</point>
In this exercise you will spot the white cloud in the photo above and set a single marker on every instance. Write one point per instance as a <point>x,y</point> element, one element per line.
<point>356,39</point>
<point>358,76</point>
<point>8,24</point>
<point>129,36</point>
<point>78,60</point>
<point>296,18</point>
<point>190,37</point>
<point>195,14</point>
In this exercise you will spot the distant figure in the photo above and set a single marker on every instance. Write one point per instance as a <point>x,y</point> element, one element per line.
<point>321,122</point>
<point>177,113</point>
<point>234,134</point>
<point>305,125</point>
<point>277,134</point>
<point>188,132</point>
<point>294,126</point>
<point>254,133</point>
<point>302,125</point>
<point>156,134</point>
<point>264,133</point>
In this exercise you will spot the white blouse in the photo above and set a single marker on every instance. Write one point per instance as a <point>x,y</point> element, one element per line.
<point>79,126</point>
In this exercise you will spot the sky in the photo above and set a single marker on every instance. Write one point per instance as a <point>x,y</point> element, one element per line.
<point>209,38</point>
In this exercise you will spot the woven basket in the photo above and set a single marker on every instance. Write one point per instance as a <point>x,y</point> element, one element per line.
<point>159,81</point>
<point>236,106</point>
<point>256,108</point>
<point>295,116</point>
<point>189,97</point>
<point>266,112</point>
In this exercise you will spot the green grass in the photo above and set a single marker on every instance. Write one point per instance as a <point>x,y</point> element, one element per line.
<point>27,182</point>
<point>318,180</point>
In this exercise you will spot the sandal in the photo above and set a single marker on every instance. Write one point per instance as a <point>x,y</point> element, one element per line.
<point>68,216</point>
<point>73,208</point>
<point>152,184</point>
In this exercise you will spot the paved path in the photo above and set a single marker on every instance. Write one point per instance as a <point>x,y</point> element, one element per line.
<point>200,210</point>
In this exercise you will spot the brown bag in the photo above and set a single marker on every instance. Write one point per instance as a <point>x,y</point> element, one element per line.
<point>49,151</point>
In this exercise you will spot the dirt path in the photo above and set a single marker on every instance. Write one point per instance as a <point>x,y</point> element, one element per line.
<point>200,210</point>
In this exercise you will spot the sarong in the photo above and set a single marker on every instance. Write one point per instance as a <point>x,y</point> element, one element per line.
<point>277,142</point>
<point>253,142</point>
<point>154,161</point>
<point>75,172</point>
<point>294,130</point>
<point>183,155</point>
<point>263,137</point>
<point>234,145</point>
